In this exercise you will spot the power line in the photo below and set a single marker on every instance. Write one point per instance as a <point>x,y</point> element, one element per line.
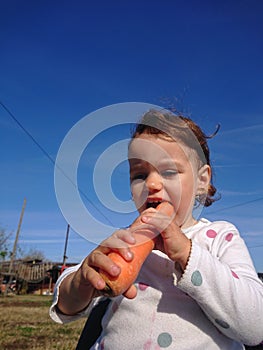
<point>72,182</point>
<point>51,159</point>
<point>237,205</point>
<point>27,133</point>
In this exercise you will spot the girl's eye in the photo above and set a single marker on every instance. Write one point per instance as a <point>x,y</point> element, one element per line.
<point>169,173</point>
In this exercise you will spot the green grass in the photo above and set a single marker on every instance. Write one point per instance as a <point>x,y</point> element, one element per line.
<point>25,324</point>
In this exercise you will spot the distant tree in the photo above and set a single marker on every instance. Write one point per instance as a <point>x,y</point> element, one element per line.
<point>6,251</point>
<point>4,247</point>
<point>33,254</point>
<point>3,254</point>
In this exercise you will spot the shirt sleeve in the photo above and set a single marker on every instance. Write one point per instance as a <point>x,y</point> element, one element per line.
<point>54,312</point>
<point>221,277</point>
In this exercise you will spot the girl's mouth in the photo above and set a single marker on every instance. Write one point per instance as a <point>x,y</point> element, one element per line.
<point>153,203</point>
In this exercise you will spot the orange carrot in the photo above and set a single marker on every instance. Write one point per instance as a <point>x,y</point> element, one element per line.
<point>130,270</point>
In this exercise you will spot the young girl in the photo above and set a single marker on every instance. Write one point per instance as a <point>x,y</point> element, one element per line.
<point>198,288</point>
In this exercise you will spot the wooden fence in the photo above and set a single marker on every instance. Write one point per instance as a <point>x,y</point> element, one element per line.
<point>35,270</point>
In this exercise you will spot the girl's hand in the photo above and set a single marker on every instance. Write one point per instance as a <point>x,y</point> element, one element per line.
<point>80,287</point>
<point>171,241</point>
<point>88,275</point>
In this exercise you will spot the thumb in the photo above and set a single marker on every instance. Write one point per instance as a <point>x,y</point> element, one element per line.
<point>131,292</point>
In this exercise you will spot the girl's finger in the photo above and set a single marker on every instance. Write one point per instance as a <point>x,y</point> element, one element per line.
<point>94,278</point>
<point>99,260</point>
<point>131,292</point>
<point>158,221</point>
<point>119,242</point>
<point>126,236</point>
<point>120,239</point>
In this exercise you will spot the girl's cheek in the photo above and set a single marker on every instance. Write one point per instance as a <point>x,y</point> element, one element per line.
<point>139,195</point>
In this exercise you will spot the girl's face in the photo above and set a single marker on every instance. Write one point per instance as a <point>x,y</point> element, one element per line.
<point>165,170</point>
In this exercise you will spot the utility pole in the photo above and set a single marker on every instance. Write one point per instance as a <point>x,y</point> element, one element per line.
<point>13,255</point>
<point>66,245</point>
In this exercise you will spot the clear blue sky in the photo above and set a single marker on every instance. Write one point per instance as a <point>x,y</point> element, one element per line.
<point>60,61</point>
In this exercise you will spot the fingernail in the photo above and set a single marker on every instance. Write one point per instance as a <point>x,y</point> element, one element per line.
<point>115,270</point>
<point>129,255</point>
<point>100,284</point>
<point>132,240</point>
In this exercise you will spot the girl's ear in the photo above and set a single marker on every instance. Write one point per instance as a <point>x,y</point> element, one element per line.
<point>204,177</point>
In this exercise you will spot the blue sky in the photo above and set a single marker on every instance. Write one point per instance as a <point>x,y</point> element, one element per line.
<point>61,61</point>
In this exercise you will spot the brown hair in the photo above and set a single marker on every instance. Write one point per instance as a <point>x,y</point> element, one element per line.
<point>171,127</point>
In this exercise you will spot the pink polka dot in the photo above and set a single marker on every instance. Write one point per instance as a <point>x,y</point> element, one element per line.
<point>147,345</point>
<point>143,286</point>
<point>234,274</point>
<point>211,233</point>
<point>229,237</point>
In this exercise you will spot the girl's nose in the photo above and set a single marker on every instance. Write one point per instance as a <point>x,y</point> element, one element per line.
<point>154,182</point>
